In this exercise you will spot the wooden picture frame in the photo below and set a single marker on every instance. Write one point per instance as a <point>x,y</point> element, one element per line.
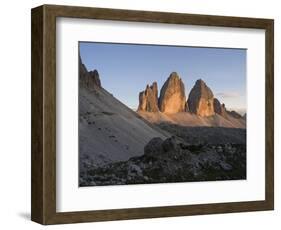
<point>43,208</point>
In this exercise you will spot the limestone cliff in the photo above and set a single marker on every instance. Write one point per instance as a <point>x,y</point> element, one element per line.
<point>148,99</point>
<point>172,95</point>
<point>201,99</point>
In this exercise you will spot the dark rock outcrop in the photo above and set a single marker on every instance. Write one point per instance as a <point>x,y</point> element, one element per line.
<point>83,72</point>
<point>201,99</point>
<point>170,144</point>
<point>219,108</point>
<point>154,146</point>
<point>172,95</point>
<point>234,114</point>
<point>148,99</point>
<point>90,79</point>
<point>206,135</point>
<point>94,79</point>
<point>173,161</point>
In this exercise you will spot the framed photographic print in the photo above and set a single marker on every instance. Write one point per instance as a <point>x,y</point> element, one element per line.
<point>141,114</point>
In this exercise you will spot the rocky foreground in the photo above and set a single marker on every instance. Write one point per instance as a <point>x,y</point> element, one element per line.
<point>206,135</point>
<point>172,160</point>
<point>191,154</point>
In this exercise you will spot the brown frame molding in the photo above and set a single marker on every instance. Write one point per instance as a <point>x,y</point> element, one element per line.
<point>43,160</point>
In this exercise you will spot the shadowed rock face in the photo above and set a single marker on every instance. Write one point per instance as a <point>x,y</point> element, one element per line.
<point>108,129</point>
<point>94,79</point>
<point>172,96</point>
<point>219,108</point>
<point>83,72</point>
<point>201,100</point>
<point>148,99</point>
<point>154,88</point>
<point>89,79</point>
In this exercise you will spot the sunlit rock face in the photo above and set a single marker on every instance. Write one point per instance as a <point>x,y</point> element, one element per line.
<point>148,99</point>
<point>201,100</point>
<point>172,95</point>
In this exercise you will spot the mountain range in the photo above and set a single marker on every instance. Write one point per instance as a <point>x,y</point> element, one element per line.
<point>200,109</point>
<point>156,143</point>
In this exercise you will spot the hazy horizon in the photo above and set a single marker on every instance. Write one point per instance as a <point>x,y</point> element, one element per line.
<point>126,69</point>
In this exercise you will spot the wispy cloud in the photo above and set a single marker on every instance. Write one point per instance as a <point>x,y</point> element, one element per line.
<point>228,94</point>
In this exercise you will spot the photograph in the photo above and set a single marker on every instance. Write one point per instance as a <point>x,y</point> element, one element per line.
<point>161,114</point>
<point>128,106</point>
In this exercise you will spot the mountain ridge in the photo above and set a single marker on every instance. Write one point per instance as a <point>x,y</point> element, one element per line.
<point>200,102</point>
<point>105,121</point>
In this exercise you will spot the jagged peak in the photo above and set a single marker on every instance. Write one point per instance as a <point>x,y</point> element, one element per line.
<point>201,89</point>
<point>91,78</point>
<point>172,95</point>
<point>95,72</point>
<point>201,99</point>
<point>94,78</point>
<point>147,87</point>
<point>173,76</point>
<point>200,81</point>
<point>220,108</point>
<point>201,84</point>
<point>148,99</point>
<point>154,85</point>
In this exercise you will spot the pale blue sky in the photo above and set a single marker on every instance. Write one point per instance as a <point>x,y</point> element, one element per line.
<point>126,69</point>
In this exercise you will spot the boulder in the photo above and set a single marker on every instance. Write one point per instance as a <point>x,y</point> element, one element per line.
<point>170,144</point>
<point>154,146</point>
